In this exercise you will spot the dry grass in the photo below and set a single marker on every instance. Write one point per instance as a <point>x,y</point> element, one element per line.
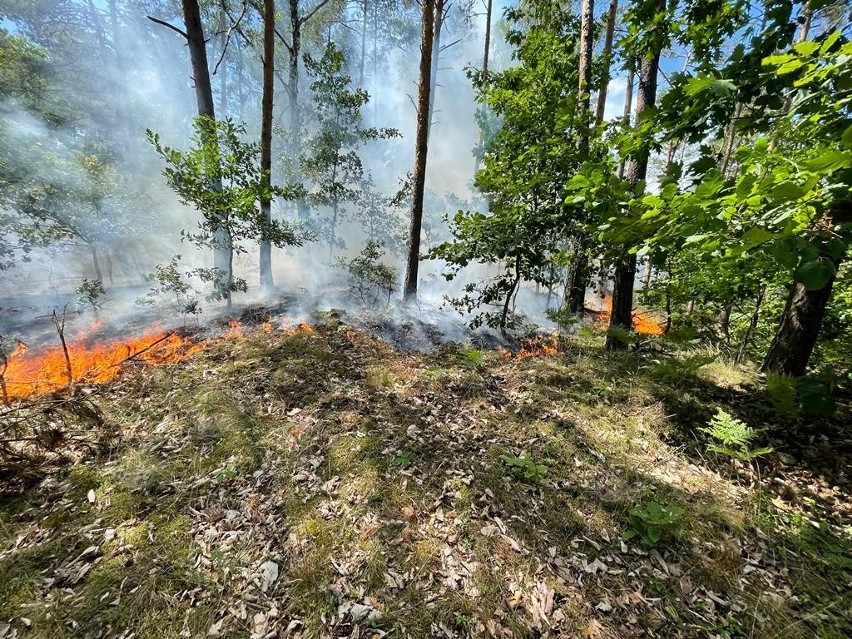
<point>372,480</point>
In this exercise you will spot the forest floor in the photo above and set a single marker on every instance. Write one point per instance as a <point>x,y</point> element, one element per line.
<point>320,483</point>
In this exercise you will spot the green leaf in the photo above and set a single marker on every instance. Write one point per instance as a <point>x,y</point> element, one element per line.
<point>755,236</point>
<point>786,191</point>
<point>806,48</point>
<point>846,138</point>
<point>830,160</point>
<point>815,274</point>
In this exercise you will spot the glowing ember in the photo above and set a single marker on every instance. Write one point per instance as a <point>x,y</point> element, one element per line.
<point>32,373</point>
<point>643,322</point>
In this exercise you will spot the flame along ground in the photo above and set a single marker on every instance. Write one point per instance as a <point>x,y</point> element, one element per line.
<point>98,360</point>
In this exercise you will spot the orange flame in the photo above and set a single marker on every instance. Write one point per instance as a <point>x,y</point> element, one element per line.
<point>643,322</point>
<point>542,346</point>
<point>35,372</point>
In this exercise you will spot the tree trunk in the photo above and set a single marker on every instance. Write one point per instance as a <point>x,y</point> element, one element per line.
<point>801,321</point>
<point>628,105</point>
<point>222,248</point>
<point>575,282</point>
<point>635,170</point>
<point>752,325</point>
<point>266,282</point>
<point>488,9</point>
<point>646,274</point>
<point>363,46</point>
<point>436,55</point>
<point>724,322</point>
<point>96,262</point>
<point>600,107</point>
<point>293,94</point>
<point>420,151</point>
<point>585,73</point>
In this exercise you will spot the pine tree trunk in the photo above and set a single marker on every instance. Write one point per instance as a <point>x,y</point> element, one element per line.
<point>421,147</point>
<point>636,169</point>
<point>488,9</point>
<point>628,105</point>
<point>293,95</point>
<point>436,55</point>
<point>266,281</point>
<point>222,247</point>
<point>607,58</point>
<point>575,281</point>
<point>363,46</point>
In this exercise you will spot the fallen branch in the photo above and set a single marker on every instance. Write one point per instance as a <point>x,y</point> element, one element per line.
<point>147,348</point>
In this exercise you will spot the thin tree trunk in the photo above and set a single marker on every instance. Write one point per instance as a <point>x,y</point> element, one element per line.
<point>607,60</point>
<point>96,262</point>
<point>636,170</point>
<point>752,325</point>
<point>575,282</point>
<point>646,274</point>
<point>293,94</point>
<point>488,9</point>
<point>421,147</point>
<point>222,249</point>
<point>436,55</point>
<point>585,74</point>
<point>363,45</point>
<point>266,281</point>
<point>628,105</point>
<point>724,322</point>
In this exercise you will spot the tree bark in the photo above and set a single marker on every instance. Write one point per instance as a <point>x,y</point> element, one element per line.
<point>585,73</point>
<point>438,26</point>
<point>575,282</point>
<point>266,281</point>
<point>646,274</point>
<point>600,107</point>
<point>628,105</point>
<point>363,45</point>
<point>420,152</point>
<point>222,248</point>
<point>797,334</point>
<point>635,170</point>
<point>488,9</point>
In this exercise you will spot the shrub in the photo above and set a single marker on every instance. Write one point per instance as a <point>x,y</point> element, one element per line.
<point>651,521</point>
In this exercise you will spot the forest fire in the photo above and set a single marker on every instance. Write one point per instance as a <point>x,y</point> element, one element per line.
<point>643,322</point>
<point>90,360</point>
<point>29,372</point>
<point>541,346</point>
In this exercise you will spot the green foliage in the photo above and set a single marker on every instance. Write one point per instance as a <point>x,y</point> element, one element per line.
<point>369,277</point>
<point>733,437</point>
<point>651,521</point>
<point>220,176</point>
<point>332,162</point>
<point>471,356</point>
<point>89,292</point>
<point>808,395</point>
<point>403,459</point>
<point>525,468</point>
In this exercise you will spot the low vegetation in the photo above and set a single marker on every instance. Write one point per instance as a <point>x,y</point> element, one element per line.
<point>320,483</point>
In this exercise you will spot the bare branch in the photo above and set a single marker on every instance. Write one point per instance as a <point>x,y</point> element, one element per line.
<point>234,25</point>
<point>170,26</point>
<point>286,44</point>
<point>313,11</point>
